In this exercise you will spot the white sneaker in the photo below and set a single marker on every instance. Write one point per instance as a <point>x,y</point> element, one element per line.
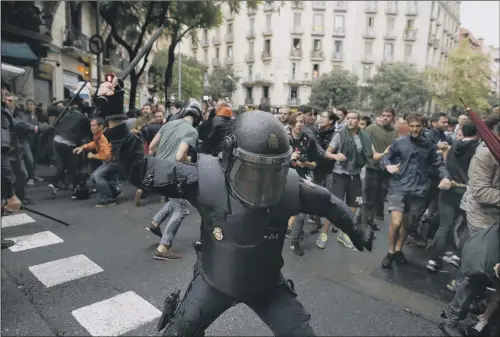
<point>454,260</point>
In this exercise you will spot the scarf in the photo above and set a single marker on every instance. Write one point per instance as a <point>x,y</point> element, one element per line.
<point>355,159</point>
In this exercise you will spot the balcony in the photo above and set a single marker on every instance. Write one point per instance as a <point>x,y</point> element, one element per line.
<point>411,11</point>
<point>256,80</point>
<point>339,32</point>
<point>340,6</point>
<point>266,56</point>
<point>317,55</point>
<point>229,16</point>
<point>194,45</point>
<point>204,42</point>
<point>368,59</point>
<point>229,37</point>
<point>319,5</point>
<point>295,54</point>
<point>216,40</point>
<point>446,30</point>
<point>409,59</point>
<point>268,31</point>
<point>318,31</point>
<point>251,11</point>
<point>297,30</point>
<point>297,4</point>
<point>29,22</point>
<point>249,101</point>
<point>297,80</point>
<point>388,59</point>
<point>390,36</point>
<point>76,44</point>
<point>293,101</point>
<point>371,7</point>
<point>433,16</point>
<point>445,49</point>
<point>337,57</point>
<point>250,34</point>
<point>392,9</point>
<point>216,62</point>
<point>410,35</point>
<point>250,57</point>
<point>439,21</point>
<point>269,6</point>
<point>229,60</point>
<point>112,64</point>
<point>369,33</point>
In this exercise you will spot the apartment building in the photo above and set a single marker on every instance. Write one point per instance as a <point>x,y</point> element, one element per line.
<point>54,72</point>
<point>281,48</point>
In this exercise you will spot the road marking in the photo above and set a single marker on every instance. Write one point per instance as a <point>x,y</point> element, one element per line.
<point>64,270</point>
<point>117,315</point>
<point>16,220</point>
<point>36,240</point>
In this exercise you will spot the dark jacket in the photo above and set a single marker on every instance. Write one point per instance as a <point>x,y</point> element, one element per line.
<point>436,136</point>
<point>204,130</point>
<point>218,131</point>
<point>11,128</point>
<point>417,158</point>
<point>75,127</point>
<point>458,160</point>
<point>312,131</point>
<point>324,138</point>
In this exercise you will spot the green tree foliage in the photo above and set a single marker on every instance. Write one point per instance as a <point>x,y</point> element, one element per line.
<point>131,22</point>
<point>465,75</point>
<point>219,84</point>
<point>399,86</point>
<point>337,88</point>
<point>192,73</point>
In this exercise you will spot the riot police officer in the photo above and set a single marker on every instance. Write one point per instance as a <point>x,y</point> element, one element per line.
<point>245,198</point>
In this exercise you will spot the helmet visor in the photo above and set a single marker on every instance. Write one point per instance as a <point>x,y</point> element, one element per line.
<point>258,180</point>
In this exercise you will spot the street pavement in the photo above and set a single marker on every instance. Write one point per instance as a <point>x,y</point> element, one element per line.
<point>98,277</point>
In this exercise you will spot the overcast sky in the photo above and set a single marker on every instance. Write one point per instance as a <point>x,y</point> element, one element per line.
<point>482,19</point>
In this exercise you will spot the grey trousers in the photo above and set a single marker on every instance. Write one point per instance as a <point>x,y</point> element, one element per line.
<point>178,208</point>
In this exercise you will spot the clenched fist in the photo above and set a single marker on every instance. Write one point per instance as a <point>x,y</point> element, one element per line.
<point>109,100</point>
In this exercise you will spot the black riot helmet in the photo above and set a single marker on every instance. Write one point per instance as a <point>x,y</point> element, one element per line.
<point>256,157</point>
<point>192,108</point>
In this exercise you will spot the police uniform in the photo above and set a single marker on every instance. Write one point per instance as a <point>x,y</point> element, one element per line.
<point>245,198</point>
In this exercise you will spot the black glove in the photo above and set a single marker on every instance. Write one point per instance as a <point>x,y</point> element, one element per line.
<point>362,237</point>
<point>111,107</point>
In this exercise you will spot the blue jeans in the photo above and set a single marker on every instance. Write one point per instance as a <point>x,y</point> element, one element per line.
<point>178,208</point>
<point>104,179</point>
<point>29,160</point>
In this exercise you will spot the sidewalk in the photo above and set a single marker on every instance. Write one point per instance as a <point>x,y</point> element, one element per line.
<point>19,317</point>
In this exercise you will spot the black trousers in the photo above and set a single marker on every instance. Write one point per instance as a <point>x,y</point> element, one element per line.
<point>375,189</point>
<point>202,305</point>
<point>67,162</point>
<point>8,177</point>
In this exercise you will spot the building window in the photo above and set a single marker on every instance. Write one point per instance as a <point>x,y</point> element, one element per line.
<point>296,20</point>
<point>252,24</point>
<point>317,45</point>
<point>205,55</point>
<point>412,6</point>
<point>390,25</point>
<point>410,24</point>
<point>393,5</point>
<point>315,71</point>
<point>205,34</point>
<point>367,70</point>
<point>230,28</point>
<point>318,22</point>
<point>249,92</point>
<point>267,46</point>
<point>371,21</point>
<point>296,44</point>
<point>230,51</point>
<point>251,47</point>
<point>338,46</point>
<point>339,23</point>
<point>265,92</point>
<point>368,47</point>
<point>294,92</point>
<point>294,70</point>
<point>217,53</point>
<point>268,20</point>
<point>408,50</point>
<point>250,70</point>
<point>388,51</point>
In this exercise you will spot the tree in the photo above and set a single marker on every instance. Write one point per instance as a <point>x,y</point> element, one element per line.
<point>187,16</point>
<point>130,23</point>
<point>220,84</point>
<point>465,75</point>
<point>399,86</point>
<point>337,88</point>
<point>192,73</point>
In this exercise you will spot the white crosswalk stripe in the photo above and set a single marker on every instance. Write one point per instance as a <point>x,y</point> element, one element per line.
<point>65,270</point>
<point>116,315</point>
<point>16,220</point>
<point>31,241</point>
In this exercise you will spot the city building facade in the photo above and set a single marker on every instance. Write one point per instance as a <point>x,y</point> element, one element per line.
<point>280,49</point>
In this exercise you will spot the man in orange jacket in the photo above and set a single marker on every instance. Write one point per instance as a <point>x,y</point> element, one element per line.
<point>105,176</point>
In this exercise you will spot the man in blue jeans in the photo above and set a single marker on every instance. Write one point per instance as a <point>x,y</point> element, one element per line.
<point>173,142</point>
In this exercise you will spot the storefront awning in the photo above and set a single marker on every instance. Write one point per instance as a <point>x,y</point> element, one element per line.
<point>12,70</point>
<point>18,51</point>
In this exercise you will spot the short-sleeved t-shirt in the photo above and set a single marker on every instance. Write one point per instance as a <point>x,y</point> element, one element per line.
<point>339,167</point>
<point>172,135</point>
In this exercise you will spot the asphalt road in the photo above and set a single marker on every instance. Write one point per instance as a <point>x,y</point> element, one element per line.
<point>98,277</point>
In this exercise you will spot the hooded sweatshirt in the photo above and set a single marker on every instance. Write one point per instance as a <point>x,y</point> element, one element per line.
<point>458,160</point>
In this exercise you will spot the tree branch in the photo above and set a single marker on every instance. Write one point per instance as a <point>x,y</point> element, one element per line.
<point>144,28</point>
<point>179,39</point>
<point>115,35</point>
<point>139,73</point>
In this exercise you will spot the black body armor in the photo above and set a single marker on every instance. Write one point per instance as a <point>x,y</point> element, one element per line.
<point>242,246</point>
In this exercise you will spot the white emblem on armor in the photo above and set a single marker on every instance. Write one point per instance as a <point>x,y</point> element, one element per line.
<point>271,236</point>
<point>308,183</point>
<point>218,234</point>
